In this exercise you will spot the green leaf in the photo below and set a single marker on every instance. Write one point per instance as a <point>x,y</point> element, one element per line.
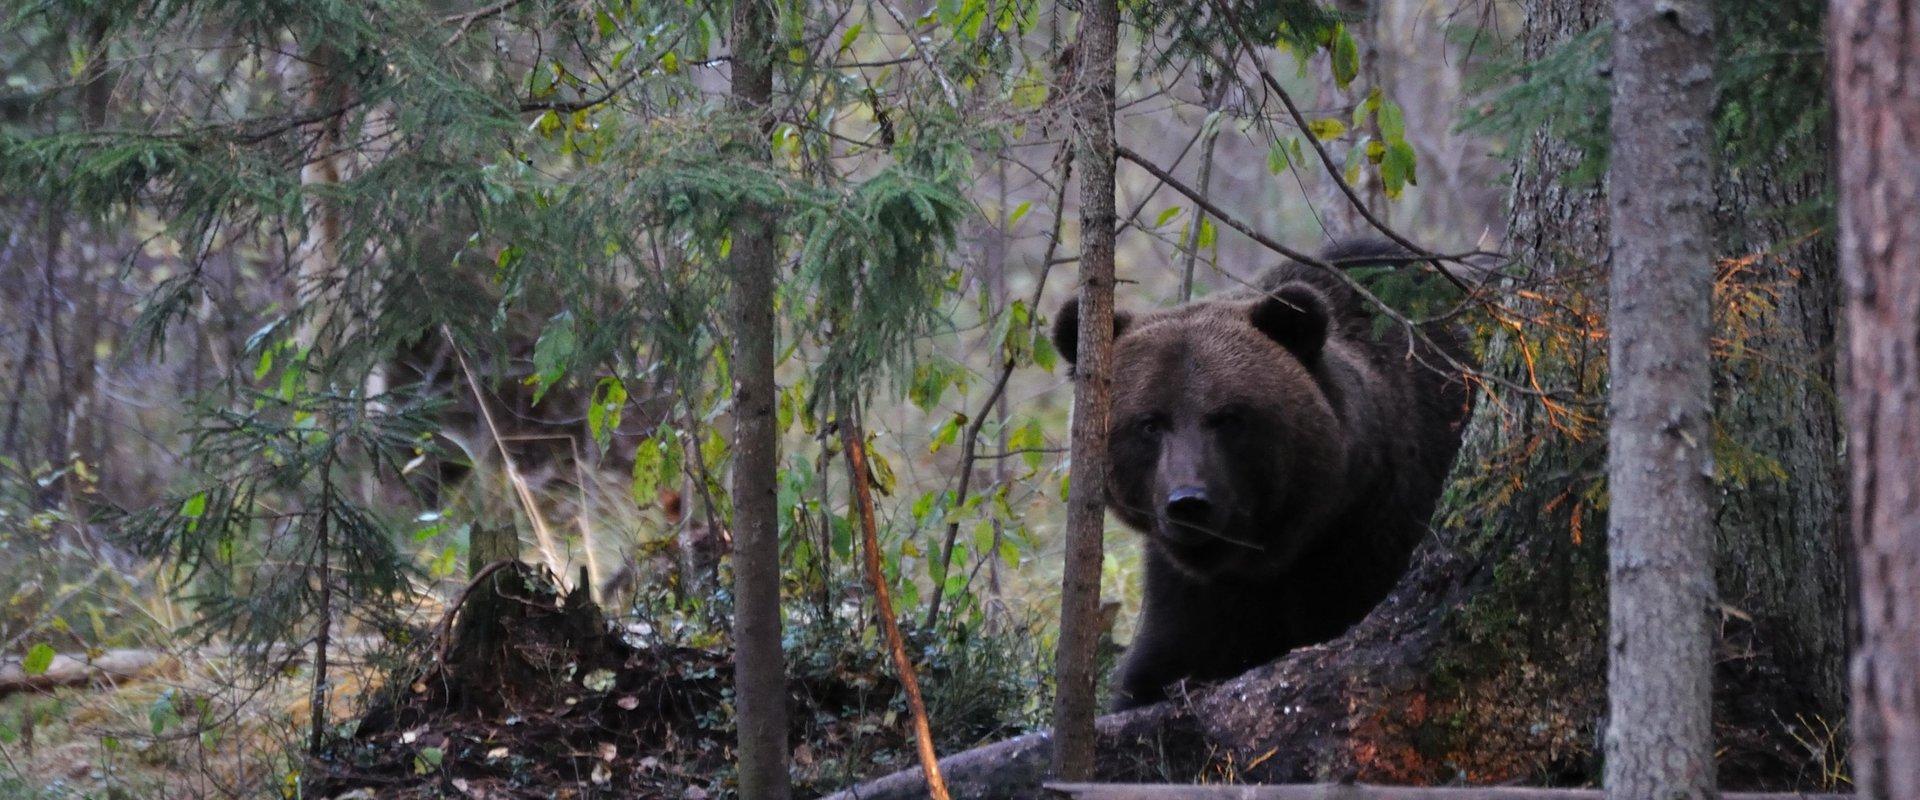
<point>603,414</point>
<point>39,658</point>
<point>428,760</point>
<point>161,713</point>
<point>1328,128</point>
<point>1397,168</point>
<point>1044,356</point>
<point>195,507</point>
<point>1393,122</point>
<point>847,39</point>
<point>881,476</point>
<point>444,564</point>
<point>547,123</point>
<point>1028,439</point>
<point>947,432</point>
<point>1018,212</point>
<point>261,369</point>
<point>1167,216</point>
<point>655,460</point>
<point>1277,157</point>
<point>552,353</point>
<point>1346,57</point>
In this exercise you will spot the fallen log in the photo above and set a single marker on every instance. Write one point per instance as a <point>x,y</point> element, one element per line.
<point>1362,791</point>
<point>129,664</point>
<point>1404,698</point>
<point>66,670</point>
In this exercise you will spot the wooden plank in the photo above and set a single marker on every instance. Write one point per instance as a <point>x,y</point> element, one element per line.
<point>1362,791</point>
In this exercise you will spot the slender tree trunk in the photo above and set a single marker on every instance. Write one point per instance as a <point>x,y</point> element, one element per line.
<point>1075,664</point>
<point>1659,470</point>
<point>759,666</point>
<point>317,269</point>
<point>1876,71</point>
<point>323,630</point>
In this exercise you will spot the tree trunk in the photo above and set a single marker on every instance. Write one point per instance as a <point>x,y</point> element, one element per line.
<point>1659,437</point>
<point>1487,663</point>
<point>759,666</point>
<point>1876,67</point>
<point>1075,664</point>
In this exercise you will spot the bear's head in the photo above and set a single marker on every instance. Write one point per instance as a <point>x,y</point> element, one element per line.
<point>1226,451</point>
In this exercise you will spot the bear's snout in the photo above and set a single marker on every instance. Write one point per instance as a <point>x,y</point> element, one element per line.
<point>1190,505</point>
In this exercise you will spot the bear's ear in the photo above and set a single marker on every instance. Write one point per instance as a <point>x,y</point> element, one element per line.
<point>1066,328</point>
<point>1296,316</point>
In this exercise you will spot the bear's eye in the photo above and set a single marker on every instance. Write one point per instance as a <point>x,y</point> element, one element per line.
<point>1149,426</point>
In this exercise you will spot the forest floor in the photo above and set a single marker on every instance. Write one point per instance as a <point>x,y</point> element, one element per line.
<point>616,720</point>
<point>570,704</point>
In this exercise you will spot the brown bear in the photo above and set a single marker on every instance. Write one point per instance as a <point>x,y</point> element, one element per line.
<point>1281,459</point>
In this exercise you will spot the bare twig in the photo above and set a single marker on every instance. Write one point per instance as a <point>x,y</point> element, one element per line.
<point>1326,159</point>
<point>1413,329</point>
<point>969,454</point>
<point>465,21</point>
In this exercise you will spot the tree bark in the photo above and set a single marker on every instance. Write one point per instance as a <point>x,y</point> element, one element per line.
<point>1876,57</point>
<point>1075,663</point>
<point>1487,663</point>
<point>1659,465</point>
<point>759,664</point>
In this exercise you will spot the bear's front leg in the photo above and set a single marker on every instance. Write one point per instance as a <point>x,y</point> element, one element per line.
<point>1162,653</point>
<point>1145,672</point>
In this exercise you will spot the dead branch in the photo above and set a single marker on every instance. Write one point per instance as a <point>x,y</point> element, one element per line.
<point>923,732</point>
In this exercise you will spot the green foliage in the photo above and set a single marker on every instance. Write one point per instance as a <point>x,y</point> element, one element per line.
<point>1772,90</point>
<point>1302,26</point>
<point>257,567</point>
<point>1560,94</point>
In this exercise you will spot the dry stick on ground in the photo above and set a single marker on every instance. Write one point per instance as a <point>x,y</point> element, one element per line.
<point>851,437</point>
<point>970,447</point>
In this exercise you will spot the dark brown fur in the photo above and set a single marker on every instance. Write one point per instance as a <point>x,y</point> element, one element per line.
<point>1281,461</point>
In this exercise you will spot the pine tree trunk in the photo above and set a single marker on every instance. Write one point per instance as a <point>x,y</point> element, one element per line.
<point>1488,662</point>
<point>1659,437</point>
<point>1075,664</point>
<point>1876,69</point>
<point>759,665</point>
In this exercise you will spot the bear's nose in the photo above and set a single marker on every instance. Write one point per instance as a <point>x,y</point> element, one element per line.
<point>1189,504</point>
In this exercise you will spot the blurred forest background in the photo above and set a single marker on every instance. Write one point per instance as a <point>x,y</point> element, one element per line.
<point>300,303</point>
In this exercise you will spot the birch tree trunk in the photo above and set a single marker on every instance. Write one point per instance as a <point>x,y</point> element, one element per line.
<point>1075,665</point>
<point>1876,57</point>
<point>1659,465</point>
<point>759,664</point>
